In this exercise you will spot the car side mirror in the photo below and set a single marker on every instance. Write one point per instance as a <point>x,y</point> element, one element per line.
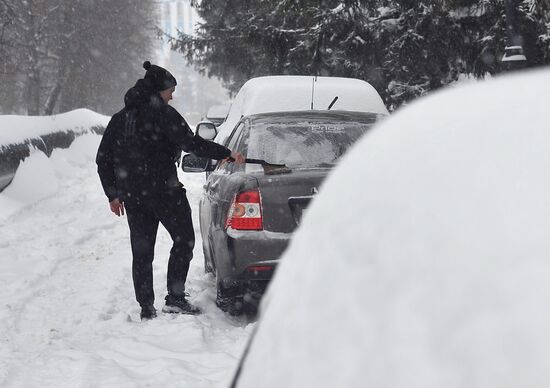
<point>207,130</point>
<point>194,163</point>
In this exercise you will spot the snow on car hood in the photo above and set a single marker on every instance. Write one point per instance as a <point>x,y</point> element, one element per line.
<point>424,262</point>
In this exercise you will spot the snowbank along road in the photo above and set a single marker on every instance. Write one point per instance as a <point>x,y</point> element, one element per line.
<point>68,316</point>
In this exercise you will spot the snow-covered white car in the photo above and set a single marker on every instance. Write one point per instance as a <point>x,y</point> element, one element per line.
<point>425,260</point>
<point>285,93</point>
<point>217,113</point>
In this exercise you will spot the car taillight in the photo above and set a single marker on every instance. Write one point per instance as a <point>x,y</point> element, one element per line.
<point>245,212</point>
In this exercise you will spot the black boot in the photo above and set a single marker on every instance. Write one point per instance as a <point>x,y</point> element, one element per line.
<point>148,312</point>
<point>179,305</point>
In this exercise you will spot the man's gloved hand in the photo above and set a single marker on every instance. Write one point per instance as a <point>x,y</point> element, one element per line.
<point>117,207</point>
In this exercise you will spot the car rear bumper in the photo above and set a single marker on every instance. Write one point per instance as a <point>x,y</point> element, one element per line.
<point>251,255</point>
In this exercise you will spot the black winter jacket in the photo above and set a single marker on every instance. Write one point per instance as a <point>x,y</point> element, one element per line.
<point>142,143</point>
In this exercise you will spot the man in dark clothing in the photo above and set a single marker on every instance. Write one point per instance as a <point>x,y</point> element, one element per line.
<point>136,164</point>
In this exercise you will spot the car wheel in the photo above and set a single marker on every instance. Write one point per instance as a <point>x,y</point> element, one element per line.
<point>253,295</point>
<point>229,298</point>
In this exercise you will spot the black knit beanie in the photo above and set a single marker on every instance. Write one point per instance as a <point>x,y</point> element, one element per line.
<point>159,77</point>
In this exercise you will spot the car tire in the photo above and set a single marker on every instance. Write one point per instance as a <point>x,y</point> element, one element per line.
<point>253,295</point>
<point>229,298</point>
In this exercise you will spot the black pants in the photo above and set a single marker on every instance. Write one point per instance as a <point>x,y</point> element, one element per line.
<point>173,211</point>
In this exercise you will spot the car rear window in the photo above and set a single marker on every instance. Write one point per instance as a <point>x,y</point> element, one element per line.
<point>304,143</point>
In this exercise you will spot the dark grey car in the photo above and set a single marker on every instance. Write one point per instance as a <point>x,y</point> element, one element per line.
<point>249,211</point>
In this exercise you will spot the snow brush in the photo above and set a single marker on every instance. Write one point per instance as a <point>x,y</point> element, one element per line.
<point>269,168</point>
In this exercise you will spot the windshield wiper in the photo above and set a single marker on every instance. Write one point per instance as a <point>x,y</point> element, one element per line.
<point>333,102</point>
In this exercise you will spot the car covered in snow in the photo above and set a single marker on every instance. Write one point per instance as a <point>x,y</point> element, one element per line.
<point>217,113</point>
<point>292,130</point>
<point>286,93</point>
<point>424,262</point>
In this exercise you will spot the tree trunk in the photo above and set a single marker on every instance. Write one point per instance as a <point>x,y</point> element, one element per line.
<point>33,93</point>
<point>52,99</point>
<point>62,75</point>
<point>33,71</point>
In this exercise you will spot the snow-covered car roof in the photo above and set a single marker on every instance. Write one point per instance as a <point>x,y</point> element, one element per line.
<point>294,93</point>
<point>433,270</point>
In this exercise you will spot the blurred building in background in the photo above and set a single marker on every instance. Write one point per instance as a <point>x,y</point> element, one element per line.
<point>195,93</point>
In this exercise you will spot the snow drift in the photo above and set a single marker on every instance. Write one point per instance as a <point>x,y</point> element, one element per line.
<point>16,129</point>
<point>21,135</point>
<point>38,176</point>
<point>432,270</point>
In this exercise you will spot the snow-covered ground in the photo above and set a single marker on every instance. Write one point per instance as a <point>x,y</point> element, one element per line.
<point>68,316</point>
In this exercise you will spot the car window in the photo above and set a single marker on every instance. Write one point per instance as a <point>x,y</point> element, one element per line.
<point>232,145</point>
<point>304,143</point>
<point>241,144</point>
<point>232,140</point>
